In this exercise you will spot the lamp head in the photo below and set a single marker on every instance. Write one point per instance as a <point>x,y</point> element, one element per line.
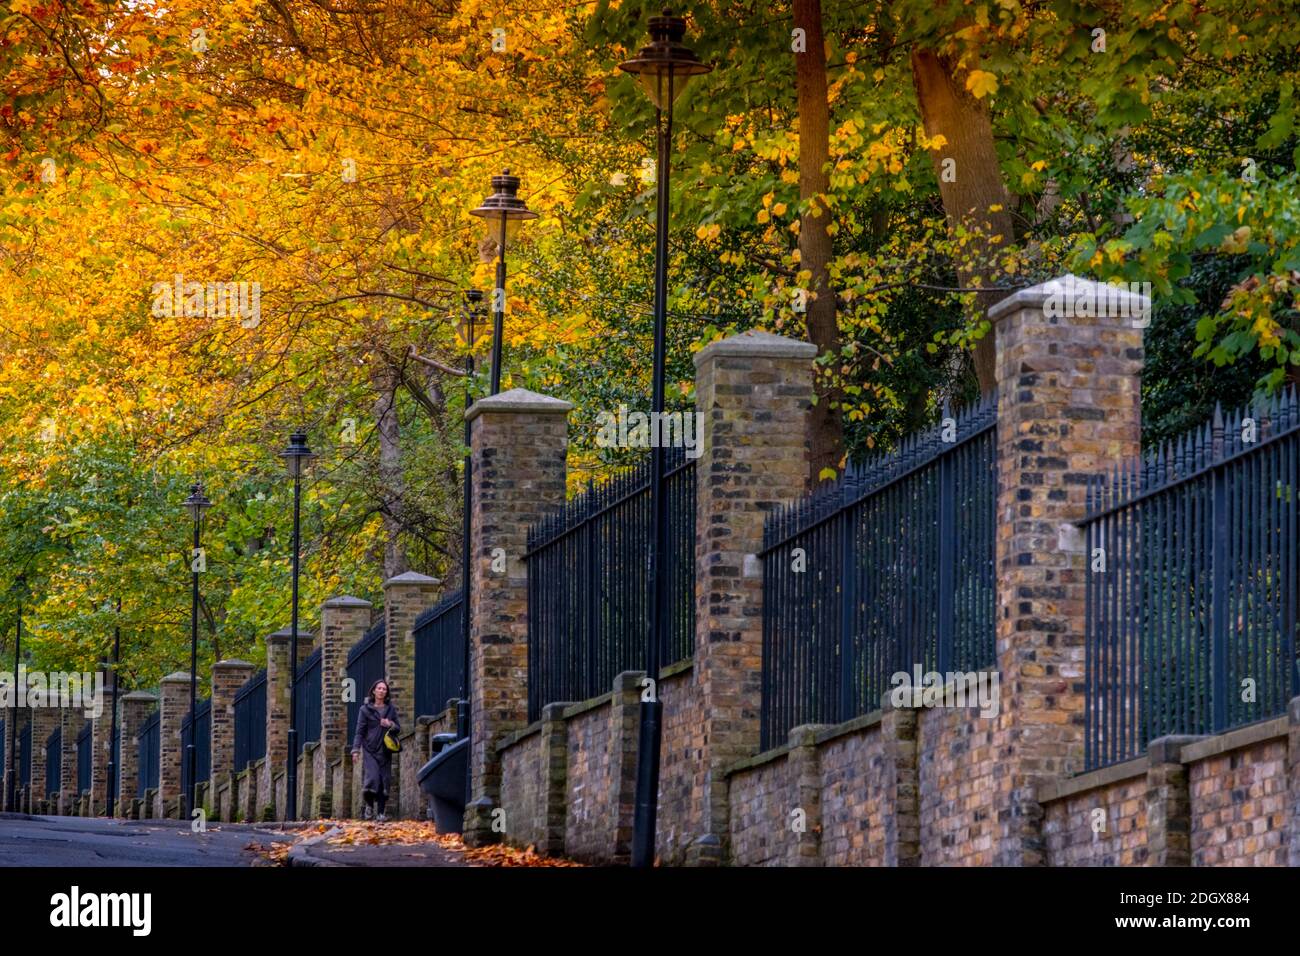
<point>297,456</point>
<point>197,503</point>
<point>665,65</point>
<point>504,206</point>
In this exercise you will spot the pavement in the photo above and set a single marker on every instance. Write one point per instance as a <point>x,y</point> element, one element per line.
<point>27,840</point>
<point>318,851</point>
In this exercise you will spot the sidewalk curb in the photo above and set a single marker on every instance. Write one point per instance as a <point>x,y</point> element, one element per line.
<point>299,855</point>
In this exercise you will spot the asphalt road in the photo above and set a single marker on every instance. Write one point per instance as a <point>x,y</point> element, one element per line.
<point>91,841</point>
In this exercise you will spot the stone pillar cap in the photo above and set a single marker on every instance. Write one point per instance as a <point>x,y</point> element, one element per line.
<point>518,400</point>
<point>412,577</point>
<point>140,695</point>
<point>1067,287</point>
<point>756,344</point>
<point>233,662</point>
<point>176,677</point>
<point>343,600</point>
<point>284,633</point>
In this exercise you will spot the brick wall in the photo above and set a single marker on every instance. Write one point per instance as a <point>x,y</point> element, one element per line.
<point>853,823</point>
<point>958,761</point>
<point>681,768</point>
<point>521,788</point>
<point>1076,835</point>
<point>762,798</point>
<point>1239,807</point>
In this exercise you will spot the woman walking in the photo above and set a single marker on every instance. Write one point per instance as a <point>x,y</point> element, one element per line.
<point>376,720</point>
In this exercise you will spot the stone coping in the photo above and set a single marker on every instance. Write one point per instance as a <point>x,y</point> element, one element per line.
<point>865,722</point>
<point>823,734</point>
<point>756,344</point>
<point>1067,286</point>
<point>572,710</point>
<point>1093,779</point>
<point>1193,752</point>
<point>425,720</point>
<point>345,600</point>
<point>518,400</point>
<point>411,577</point>
<point>1234,740</point>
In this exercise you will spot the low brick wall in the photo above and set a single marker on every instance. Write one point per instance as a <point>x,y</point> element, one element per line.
<point>1226,803</point>
<point>681,773</point>
<point>1239,800</point>
<point>1077,835</point>
<point>852,771</point>
<point>763,797</point>
<point>521,785</point>
<point>957,763</point>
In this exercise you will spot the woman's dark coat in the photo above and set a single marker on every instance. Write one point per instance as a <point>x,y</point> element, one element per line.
<point>376,759</point>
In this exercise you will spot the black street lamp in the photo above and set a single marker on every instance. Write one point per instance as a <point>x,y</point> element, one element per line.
<point>664,67</point>
<point>297,457</point>
<point>196,504</point>
<point>509,212</point>
<point>12,800</point>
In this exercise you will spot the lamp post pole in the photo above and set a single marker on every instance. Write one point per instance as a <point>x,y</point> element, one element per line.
<point>505,209</point>
<point>664,66</point>
<point>196,504</point>
<point>296,457</point>
<point>191,753</point>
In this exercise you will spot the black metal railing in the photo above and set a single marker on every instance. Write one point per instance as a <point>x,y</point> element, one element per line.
<point>365,666</point>
<point>250,721</point>
<point>1191,591</point>
<point>439,655</point>
<point>307,700</point>
<point>148,744</point>
<point>25,756</point>
<point>889,569</point>
<point>84,755</point>
<point>196,725</point>
<point>53,762</point>
<point>588,584</point>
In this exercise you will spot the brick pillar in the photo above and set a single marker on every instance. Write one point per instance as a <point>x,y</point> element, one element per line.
<point>755,392</point>
<point>135,709</point>
<point>1169,803</point>
<point>15,719</point>
<point>44,722</point>
<point>344,621</point>
<point>519,441</point>
<point>902,785</point>
<point>625,734</point>
<point>805,767</point>
<point>1069,407</point>
<point>552,808</point>
<point>405,597</point>
<point>175,692</point>
<point>227,677</point>
<point>101,730</point>
<point>278,677</point>
<point>72,719</point>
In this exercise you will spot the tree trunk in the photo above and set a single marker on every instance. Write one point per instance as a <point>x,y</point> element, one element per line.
<point>392,490</point>
<point>948,110</point>
<point>826,432</point>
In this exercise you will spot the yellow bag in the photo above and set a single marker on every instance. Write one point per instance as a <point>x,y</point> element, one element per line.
<point>391,742</point>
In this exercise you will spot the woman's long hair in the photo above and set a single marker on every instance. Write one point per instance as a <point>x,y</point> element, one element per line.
<point>370,694</point>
